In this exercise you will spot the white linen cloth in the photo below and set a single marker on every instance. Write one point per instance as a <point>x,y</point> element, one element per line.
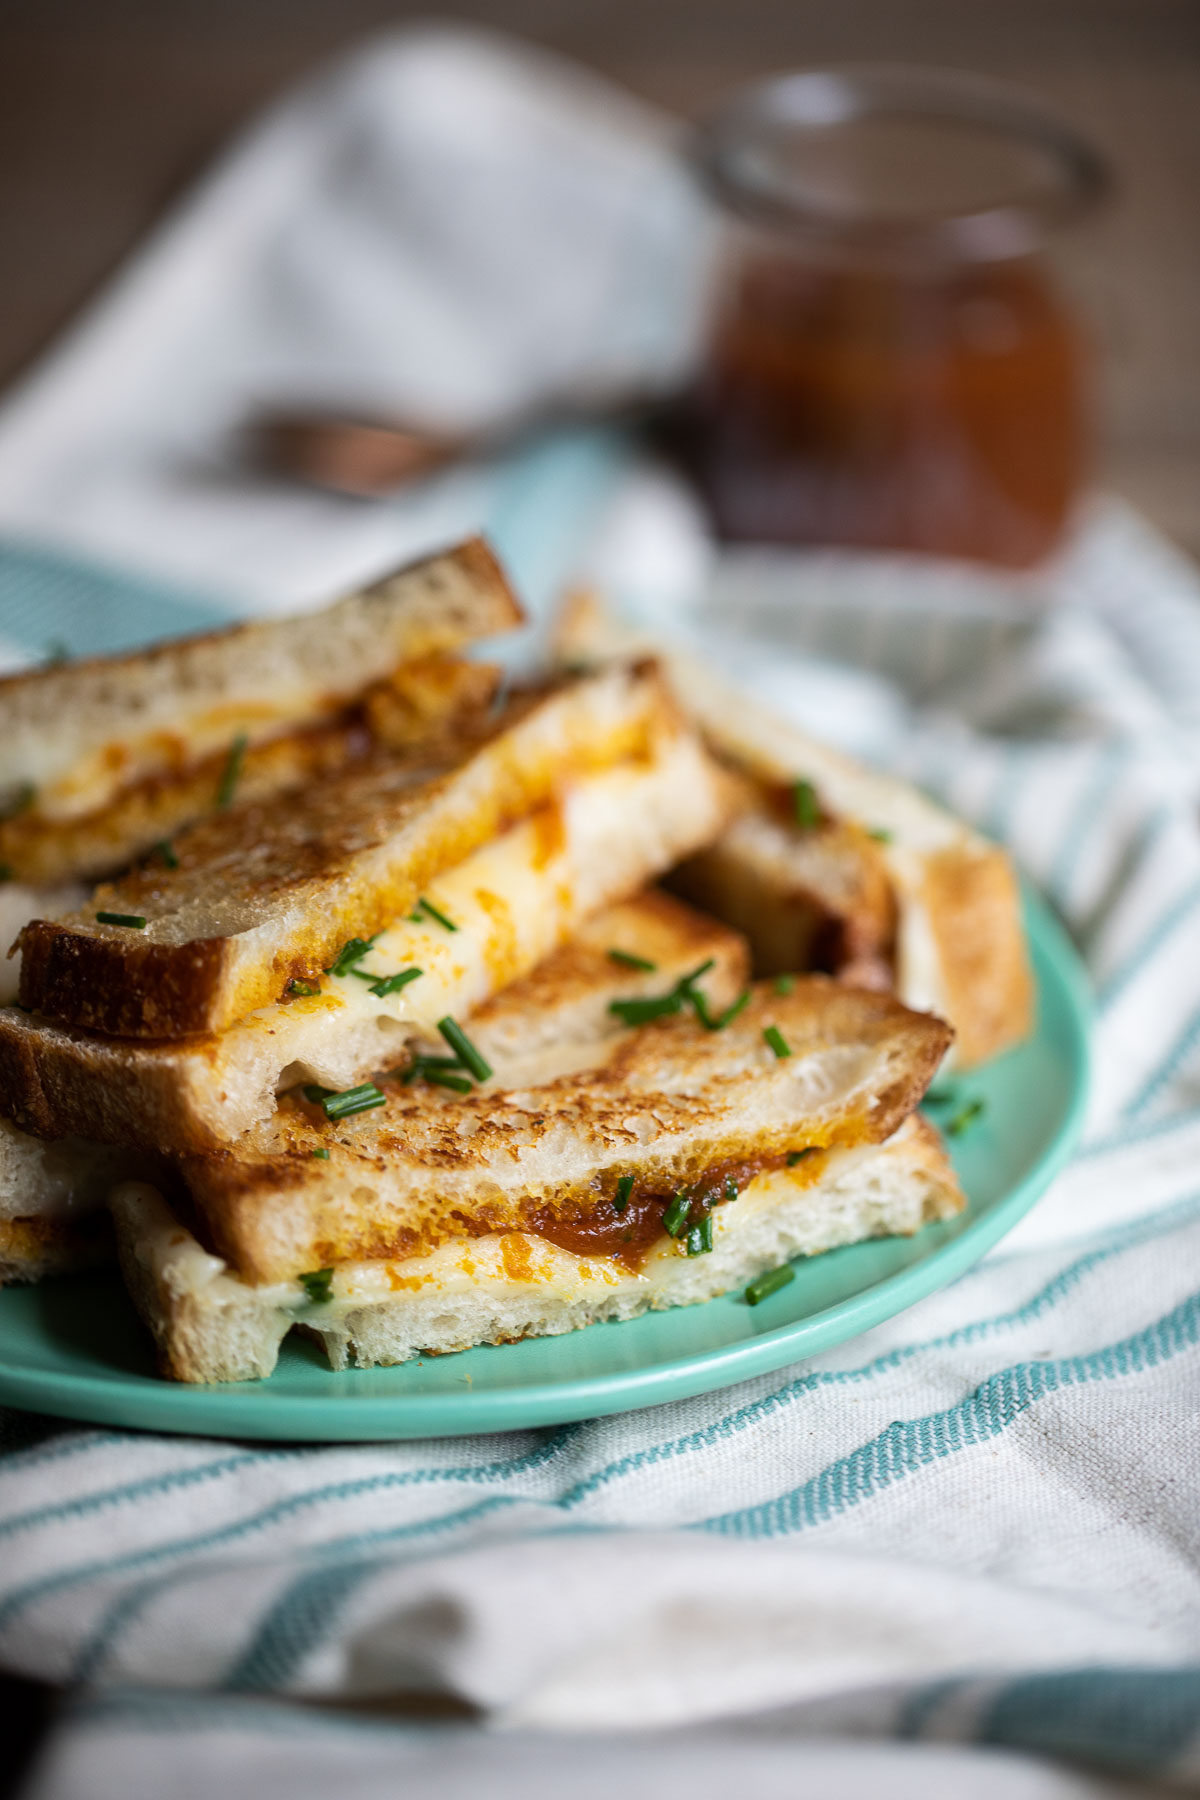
<point>941,1558</point>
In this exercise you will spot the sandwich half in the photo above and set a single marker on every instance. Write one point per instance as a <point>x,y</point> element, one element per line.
<point>828,865</point>
<point>667,1161</point>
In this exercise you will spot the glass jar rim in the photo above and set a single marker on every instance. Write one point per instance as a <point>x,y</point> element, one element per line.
<point>737,155</point>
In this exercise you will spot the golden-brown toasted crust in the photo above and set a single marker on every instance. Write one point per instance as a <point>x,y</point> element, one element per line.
<point>418,705</point>
<point>669,1103</point>
<point>974,908</point>
<point>264,894</point>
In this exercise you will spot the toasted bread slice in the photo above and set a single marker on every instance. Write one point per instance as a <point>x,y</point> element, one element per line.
<point>419,704</point>
<point>262,895</point>
<point>72,736</point>
<point>670,1105</point>
<point>957,944</point>
<point>209,1325</point>
<point>33,1249</point>
<point>512,902</point>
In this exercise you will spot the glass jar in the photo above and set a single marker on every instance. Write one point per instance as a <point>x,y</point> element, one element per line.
<point>890,364</point>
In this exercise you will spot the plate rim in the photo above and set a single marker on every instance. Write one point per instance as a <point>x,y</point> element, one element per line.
<point>251,1411</point>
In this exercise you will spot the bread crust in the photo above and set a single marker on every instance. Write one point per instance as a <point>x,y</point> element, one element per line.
<point>974,907</point>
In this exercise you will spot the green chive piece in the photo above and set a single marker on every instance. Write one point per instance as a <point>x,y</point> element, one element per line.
<point>6,873</point>
<point>700,1237</point>
<point>798,1156</point>
<point>464,1049</point>
<point>769,1284</point>
<point>805,806</point>
<point>134,921</point>
<point>461,1084</point>
<point>318,1285</point>
<point>722,1019</point>
<point>315,1093</point>
<point>56,653</point>
<point>880,834</point>
<point>16,800</point>
<point>641,1012</point>
<point>628,960</point>
<point>302,990</point>
<point>730,1190</point>
<point>942,1096</point>
<point>621,1198</point>
<point>391,984</point>
<point>964,1117</point>
<point>427,906</point>
<point>322,1154</point>
<point>232,772</point>
<point>676,1216</point>
<point>777,1041</point>
<point>351,952</point>
<point>352,1100</point>
<point>166,854</point>
<point>784,984</point>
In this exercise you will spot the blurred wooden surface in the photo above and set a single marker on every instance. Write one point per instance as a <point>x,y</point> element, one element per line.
<point>108,107</point>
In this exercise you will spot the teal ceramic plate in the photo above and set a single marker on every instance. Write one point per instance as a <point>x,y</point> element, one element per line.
<point>74,1347</point>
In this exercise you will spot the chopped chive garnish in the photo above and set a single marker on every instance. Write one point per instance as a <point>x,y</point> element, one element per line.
<point>881,834</point>
<point>805,807</point>
<point>676,1216</point>
<point>16,800</point>
<point>166,854</point>
<point>302,990</point>
<point>628,960</point>
<point>965,1116</point>
<point>700,1237</point>
<point>391,984</point>
<point>730,1190</point>
<point>722,1019</point>
<point>323,1155</point>
<point>318,1285</point>
<point>461,1084</point>
<point>784,984</point>
<point>620,1203</point>
<point>426,906</point>
<point>776,1040</point>
<point>798,1156</point>
<point>352,1100</point>
<point>641,1012</point>
<point>56,653</point>
<point>315,1093</point>
<point>351,952</point>
<point>769,1284</point>
<point>134,921</point>
<point>942,1096</point>
<point>464,1049</point>
<point>231,773</point>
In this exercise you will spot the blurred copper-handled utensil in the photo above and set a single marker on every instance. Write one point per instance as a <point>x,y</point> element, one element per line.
<point>369,458</point>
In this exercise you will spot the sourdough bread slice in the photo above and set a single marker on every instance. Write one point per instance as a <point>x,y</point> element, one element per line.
<point>264,894</point>
<point>73,735</point>
<point>959,942</point>
<point>209,1325</point>
<point>512,902</point>
<point>669,1105</point>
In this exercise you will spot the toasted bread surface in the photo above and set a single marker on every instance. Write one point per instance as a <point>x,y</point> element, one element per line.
<point>668,1104</point>
<point>73,735</point>
<point>211,1326</point>
<point>32,1249</point>
<point>419,704</point>
<point>265,894</point>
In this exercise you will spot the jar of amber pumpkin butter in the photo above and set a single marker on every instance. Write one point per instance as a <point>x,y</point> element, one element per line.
<point>890,363</point>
